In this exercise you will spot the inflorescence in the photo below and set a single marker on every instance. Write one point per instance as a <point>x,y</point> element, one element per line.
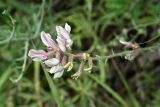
<point>55,59</point>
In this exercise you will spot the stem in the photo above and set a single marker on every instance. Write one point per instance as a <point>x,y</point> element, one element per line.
<point>97,57</point>
<point>37,83</point>
<point>10,37</point>
<point>24,63</point>
<point>133,99</point>
<point>127,52</point>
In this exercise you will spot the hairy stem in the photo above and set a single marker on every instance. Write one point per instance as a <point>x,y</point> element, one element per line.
<point>127,52</point>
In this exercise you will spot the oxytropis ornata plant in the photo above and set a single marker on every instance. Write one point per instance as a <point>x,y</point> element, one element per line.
<point>55,58</point>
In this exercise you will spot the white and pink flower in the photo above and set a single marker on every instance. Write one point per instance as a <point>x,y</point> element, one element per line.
<point>52,58</point>
<point>63,38</point>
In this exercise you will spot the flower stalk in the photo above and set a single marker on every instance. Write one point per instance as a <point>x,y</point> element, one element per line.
<point>59,57</point>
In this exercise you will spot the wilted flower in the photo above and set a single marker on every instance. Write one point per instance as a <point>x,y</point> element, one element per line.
<point>129,44</point>
<point>130,56</point>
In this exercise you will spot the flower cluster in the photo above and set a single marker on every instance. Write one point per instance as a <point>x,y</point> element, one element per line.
<point>54,59</point>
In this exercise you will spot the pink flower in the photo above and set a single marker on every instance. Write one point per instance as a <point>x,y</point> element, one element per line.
<point>54,50</point>
<point>38,55</point>
<point>47,40</point>
<point>52,62</point>
<point>63,37</point>
<point>55,59</point>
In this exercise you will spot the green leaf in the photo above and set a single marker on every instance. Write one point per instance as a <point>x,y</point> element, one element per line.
<point>111,91</point>
<point>54,90</point>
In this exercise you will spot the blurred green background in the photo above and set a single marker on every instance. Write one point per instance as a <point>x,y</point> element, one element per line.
<point>97,25</point>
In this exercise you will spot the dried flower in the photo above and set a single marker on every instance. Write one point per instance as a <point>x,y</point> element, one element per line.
<point>84,57</point>
<point>129,44</point>
<point>78,73</point>
<point>131,56</point>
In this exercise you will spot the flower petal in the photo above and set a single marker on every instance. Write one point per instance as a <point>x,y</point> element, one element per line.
<point>61,40</point>
<point>69,43</point>
<point>58,31</point>
<point>68,28</point>
<point>56,69</point>
<point>48,41</point>
<point>58,74</point>
<point>52,70</point>
<point>59,68</point>
<point>37,55</point>
<point>63,32</point>
<point>123,42</point>
<point>61,43</point>
<point>51,62</point>
<point>62,47</point>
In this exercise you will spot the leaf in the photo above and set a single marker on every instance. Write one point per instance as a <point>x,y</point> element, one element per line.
<point>111,91</point>
<point>54,90</point>
<point>4,78</point>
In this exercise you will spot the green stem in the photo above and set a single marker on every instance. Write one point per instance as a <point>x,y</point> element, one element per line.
<point>37,83</point>
<point>97,57</point>
<point>133,99</point>
<point>127,52</point>
<point>54,90</point>
<point>24,63</point>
